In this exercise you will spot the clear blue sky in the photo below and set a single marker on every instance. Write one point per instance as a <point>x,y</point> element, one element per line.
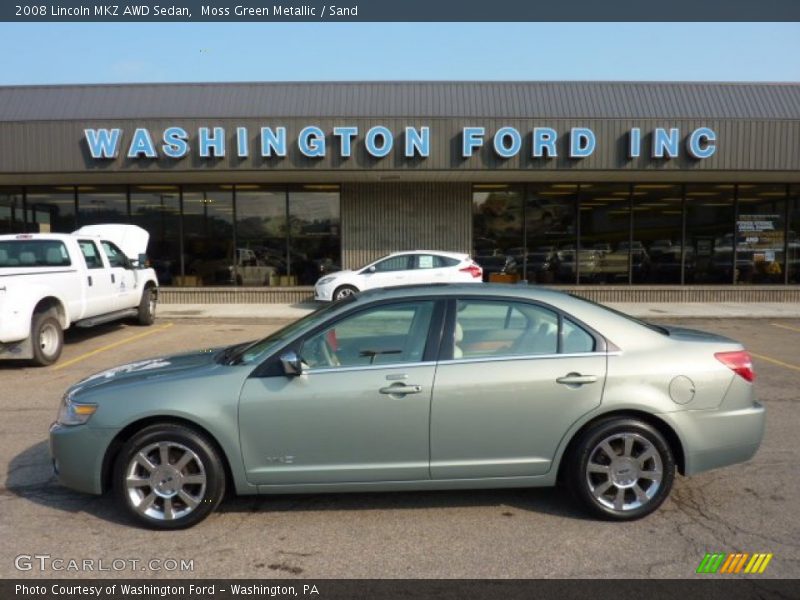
<point>137,52</point>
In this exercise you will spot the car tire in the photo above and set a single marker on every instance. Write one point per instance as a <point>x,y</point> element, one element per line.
<point>169,476</point>
<point>147,307</point>
<point>632,483</point>
<point>47,338</point>
<point>343,291</point>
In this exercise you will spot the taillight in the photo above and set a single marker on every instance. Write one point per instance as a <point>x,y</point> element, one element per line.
<point>473,270</point>
<point>739,362</point>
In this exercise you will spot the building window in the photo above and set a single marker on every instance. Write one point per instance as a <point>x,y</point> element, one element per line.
<point>709,233</point>
<point>102,205</point>
<point>50,209</point>
<point>314,233</point>
<point>208,241</point>
<point>793,236</point>
<point>761,234</point>
<point>657,250</point>
<point>261,235</point>
<point>12,219</point>
<point>550,230</point>
<point>497,221</point>
<point>605,247</point>
<point>157,209</point>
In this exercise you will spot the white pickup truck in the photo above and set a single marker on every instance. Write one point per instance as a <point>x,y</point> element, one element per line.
<point>52,281</point>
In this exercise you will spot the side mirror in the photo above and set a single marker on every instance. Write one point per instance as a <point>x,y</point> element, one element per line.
<point>371,269</point>
<point>142,261</point>
<point>292,364</point>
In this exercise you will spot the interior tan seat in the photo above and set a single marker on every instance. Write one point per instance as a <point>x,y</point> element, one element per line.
<point>457,339</point>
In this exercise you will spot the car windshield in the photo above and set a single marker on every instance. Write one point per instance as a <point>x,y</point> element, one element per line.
<point>651,326</point>
<point>244,354</point>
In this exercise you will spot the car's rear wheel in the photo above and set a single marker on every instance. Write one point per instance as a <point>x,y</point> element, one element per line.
<point>169,477</point>
<point>344,291</point>
<point>621,469</point>
<point>47,338</point>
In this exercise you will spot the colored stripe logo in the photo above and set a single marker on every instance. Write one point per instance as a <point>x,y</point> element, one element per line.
<point>734,563</point>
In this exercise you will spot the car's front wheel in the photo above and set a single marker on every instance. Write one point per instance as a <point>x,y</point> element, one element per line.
<point>621,469</point>
<point>147,307</point>
<point>343,291</point>
<point>169,476</point>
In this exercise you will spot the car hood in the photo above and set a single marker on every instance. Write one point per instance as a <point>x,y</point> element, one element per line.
<point>152,368</point>
<point>337,274</point>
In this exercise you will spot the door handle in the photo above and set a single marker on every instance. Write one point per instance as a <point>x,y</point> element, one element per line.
<point>576,379</point>
<point>112,279</point>
<point>400,389</point>
<point>89,278</point>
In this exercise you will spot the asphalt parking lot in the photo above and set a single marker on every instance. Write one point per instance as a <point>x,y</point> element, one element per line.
<point>473,534</point>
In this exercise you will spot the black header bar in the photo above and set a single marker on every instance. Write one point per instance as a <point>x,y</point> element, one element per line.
<point>285,11</point>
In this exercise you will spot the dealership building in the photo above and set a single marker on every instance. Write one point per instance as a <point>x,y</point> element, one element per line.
<point>624,191</point>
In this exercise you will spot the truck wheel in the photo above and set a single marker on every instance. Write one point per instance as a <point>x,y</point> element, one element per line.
<point>147,307</point>
<point>47,339</point>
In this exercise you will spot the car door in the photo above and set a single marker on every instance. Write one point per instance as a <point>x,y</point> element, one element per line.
<point>389,272</point>
<point>360,410</point>
<point>431,268</point>
<point>514,377</point>
<point>123,278</point>
<point>100,290</point>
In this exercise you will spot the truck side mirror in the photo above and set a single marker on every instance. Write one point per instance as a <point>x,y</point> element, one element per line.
<point>142,261</point>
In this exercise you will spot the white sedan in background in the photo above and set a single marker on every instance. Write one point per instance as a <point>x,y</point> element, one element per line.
<point>400,268</point>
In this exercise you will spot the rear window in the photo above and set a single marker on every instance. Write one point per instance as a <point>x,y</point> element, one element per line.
<point>33,253</point>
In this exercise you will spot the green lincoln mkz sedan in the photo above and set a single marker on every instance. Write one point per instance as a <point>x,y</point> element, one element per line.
<point>437,387</point>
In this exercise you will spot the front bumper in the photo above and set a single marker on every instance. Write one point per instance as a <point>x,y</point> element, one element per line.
<point>78,454</point>
<point>324,293</point>
<point>718,438</point>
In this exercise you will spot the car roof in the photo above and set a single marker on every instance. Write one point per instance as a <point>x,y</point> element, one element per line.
<point>439,252</point>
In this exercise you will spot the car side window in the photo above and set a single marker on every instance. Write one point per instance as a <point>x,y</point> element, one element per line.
<point>394,263</point>
<point>90,254</point>
<point>489,328</point>
<point>574,339</point>
<point>115,256</point>
<point>383,335</point>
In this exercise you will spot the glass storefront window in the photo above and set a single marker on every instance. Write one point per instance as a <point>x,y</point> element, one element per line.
<point>12,219</point>
<point>208,243</point>
<point>606,254</point>
<point>314,233</point>
<point>793,236</point>
<point>658,234</point>
<point>550,231</point>
<point>709,233</point>
<point>157,209</point>
<point>102,205</point>
<point>760,234</point>
<point>50,209</point>
<point>261,235</point>
<point>497,224</point>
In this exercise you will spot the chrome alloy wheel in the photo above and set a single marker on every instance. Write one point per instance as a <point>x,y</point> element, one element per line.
<point>152,306</point>
<point>165,481</point>
<point>624,471</point>
<point>344,293</point>
<point>48,339</point>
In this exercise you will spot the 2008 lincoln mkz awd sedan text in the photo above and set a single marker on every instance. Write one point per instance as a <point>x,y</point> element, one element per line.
<point>437,387</point>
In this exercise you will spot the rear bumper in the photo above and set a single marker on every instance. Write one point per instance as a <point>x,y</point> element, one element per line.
<point>718,438</point>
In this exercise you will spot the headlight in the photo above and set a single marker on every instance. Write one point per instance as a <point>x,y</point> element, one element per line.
<point>74,413</point>
<point>325,280</point>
